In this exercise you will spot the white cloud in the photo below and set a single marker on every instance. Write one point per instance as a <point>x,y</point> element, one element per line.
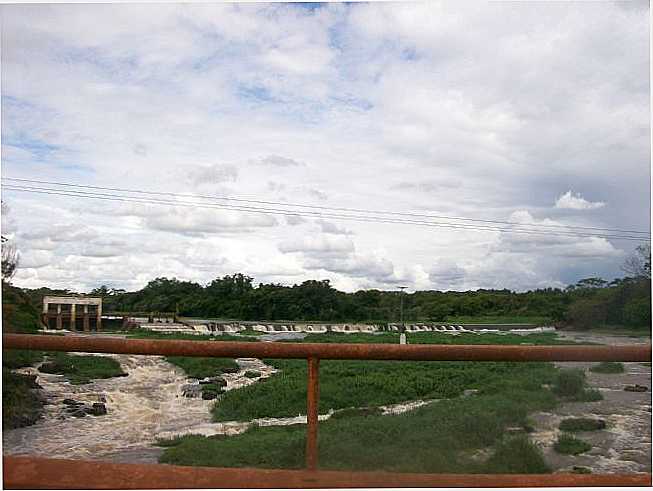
<point>200,221</point>
<point>318,244</point>
<point>457,109</point>
<point>571,201</point>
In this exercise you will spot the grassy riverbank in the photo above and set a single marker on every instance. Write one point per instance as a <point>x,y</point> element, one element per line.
<point>21,404</point>
<point>459,433</point>
<point>441,437</point>
<point>543,338</point>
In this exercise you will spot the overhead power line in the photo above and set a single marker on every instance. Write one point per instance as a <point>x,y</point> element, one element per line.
<point>303,213</point>
<point>375,213</point>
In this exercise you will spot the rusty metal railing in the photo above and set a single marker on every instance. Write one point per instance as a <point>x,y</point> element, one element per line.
<point>20,472</point>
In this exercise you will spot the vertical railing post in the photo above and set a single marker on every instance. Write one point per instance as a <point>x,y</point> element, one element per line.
<point>312,402</point>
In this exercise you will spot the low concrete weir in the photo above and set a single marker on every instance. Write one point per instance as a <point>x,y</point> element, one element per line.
<point>200,326</point>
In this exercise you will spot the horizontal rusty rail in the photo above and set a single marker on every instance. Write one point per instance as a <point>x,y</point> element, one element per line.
<point>36,473</point>
<point>415,352</point>
<point>28,472</point>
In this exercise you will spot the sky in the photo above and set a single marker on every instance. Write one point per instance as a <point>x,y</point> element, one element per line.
<point>536,113</point>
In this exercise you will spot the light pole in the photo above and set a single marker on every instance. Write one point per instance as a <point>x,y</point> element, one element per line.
<point>401,307</point>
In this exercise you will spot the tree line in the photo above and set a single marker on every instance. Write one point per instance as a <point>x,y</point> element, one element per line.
<point>591,302</point>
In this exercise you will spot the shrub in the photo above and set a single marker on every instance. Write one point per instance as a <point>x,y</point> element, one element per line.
<point>569,382</point>
<point>570,445</point>
<point>589,395</point>
<point>516,455</point>
<point>582,424</point>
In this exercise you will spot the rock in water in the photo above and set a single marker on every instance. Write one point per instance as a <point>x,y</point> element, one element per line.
<point>98,409</point>
<point>191,390</point>
<point>79,413</point>
<point>635,388</point>
<point>209,395</point>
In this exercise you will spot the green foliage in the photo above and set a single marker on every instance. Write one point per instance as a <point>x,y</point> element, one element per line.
<point>569,382</point>
<point>516,455</point>
<point>637,312</point>
<point>547,338</point>
<point>582,424</point>
<point>19,313</point>
<point>591,303</point>
<point>437,436</point>
<point>570,445</point>
<point>345,384</point>
<point>589,395</point>
<point>20,404</point>
<point>608,367</point>
<point>81,369</point>
<point>19,358</point>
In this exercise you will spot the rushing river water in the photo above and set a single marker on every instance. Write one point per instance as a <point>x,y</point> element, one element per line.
<point>142,407</point>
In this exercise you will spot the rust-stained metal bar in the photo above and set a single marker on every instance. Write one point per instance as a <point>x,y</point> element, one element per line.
<point>423,352</point>
<point>312,403</point>
<point>39,473</point>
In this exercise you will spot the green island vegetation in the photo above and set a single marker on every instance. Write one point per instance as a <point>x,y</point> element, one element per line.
<point>608,367</point>
<point>81,369</point>
<point>582,424</point>
<point>570,445</point>
<point>544,338</point>
<point>434,438</point>
<point>443,436</point>
<point>570,384</point>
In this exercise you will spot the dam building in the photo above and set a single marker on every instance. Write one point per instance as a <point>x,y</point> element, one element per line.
<point>73,313</point>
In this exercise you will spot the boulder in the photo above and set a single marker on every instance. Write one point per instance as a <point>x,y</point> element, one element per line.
<point>469,392</point>
<point>635,388</point>
<point>79,413</point>
<point>98,409</point>
<point>219,382</point>
<point>209,395</point>
<point>72,402</point>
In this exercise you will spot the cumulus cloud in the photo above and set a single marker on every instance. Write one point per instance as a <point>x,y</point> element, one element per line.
<point>278,161</point>
<point>318,244</point>
<point>333,228</point>
<point>445,273</point>
<point>571,201</point>
<point>212,174</point>
<point>469,110</point>
<point>34,259</point>
<point>204,221</point>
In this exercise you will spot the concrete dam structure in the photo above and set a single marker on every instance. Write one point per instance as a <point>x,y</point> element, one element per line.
<point>193,326</point>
